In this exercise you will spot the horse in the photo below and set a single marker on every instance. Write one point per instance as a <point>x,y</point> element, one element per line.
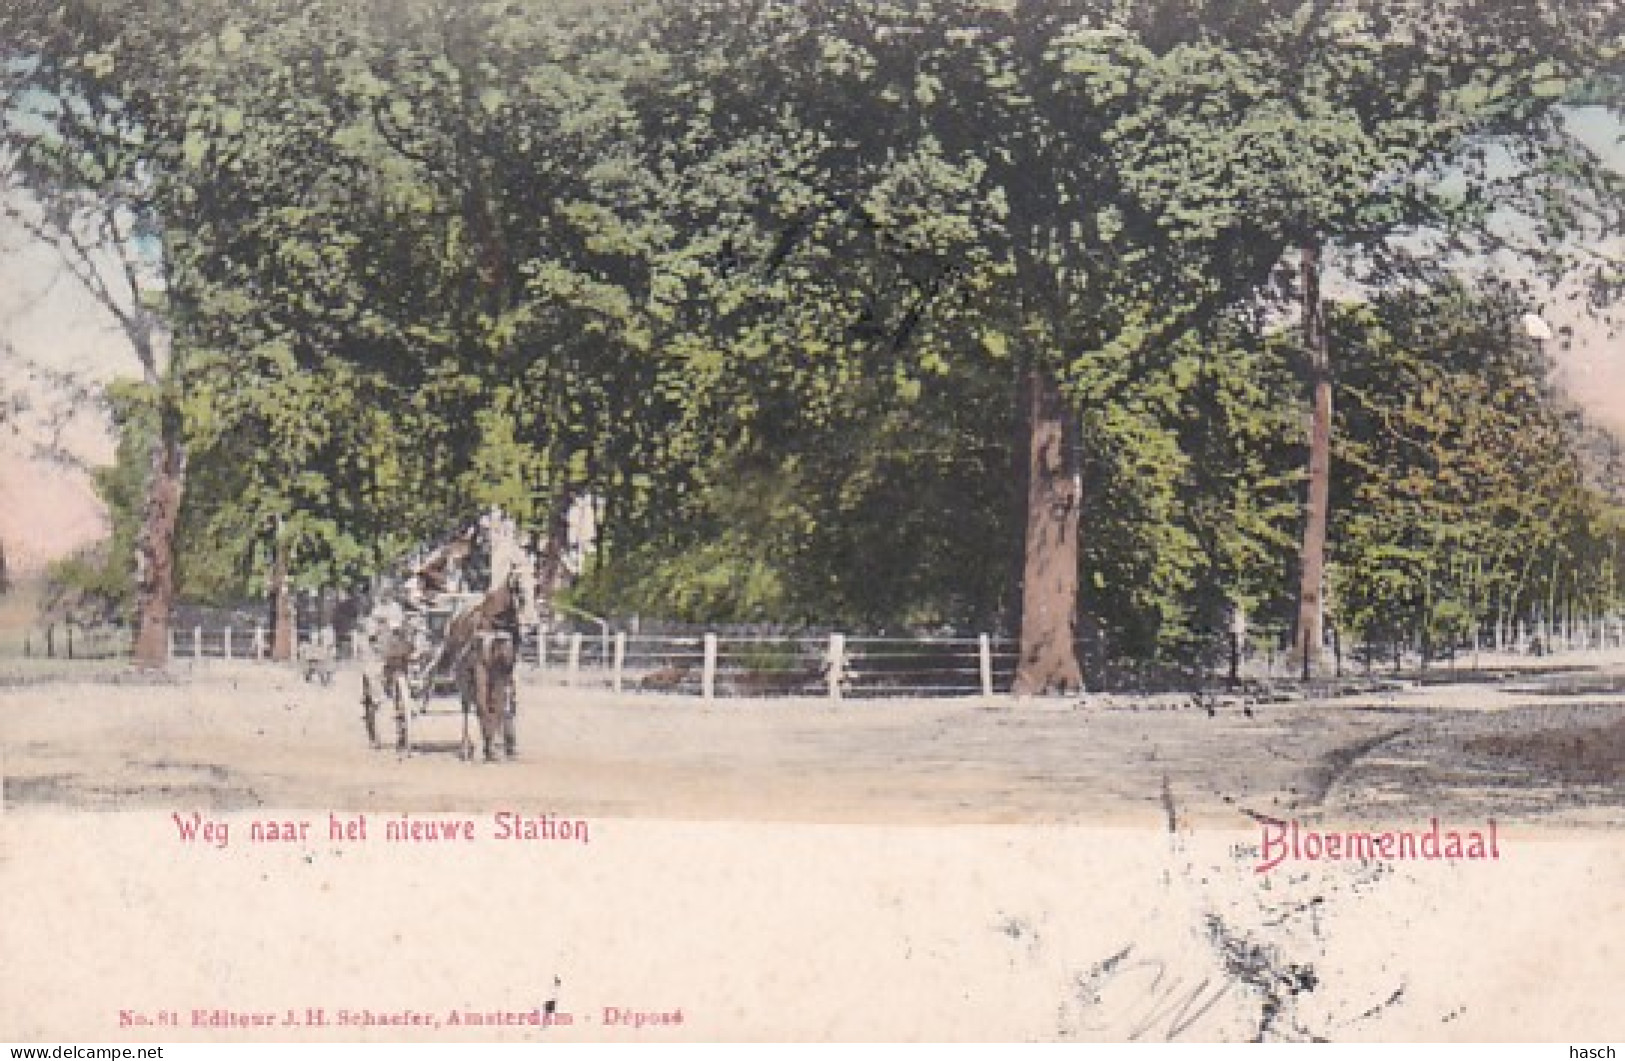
<point>482,645</point>
<point>478,648</point>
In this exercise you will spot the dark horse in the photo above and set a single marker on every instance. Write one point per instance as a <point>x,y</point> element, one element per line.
<point>481,649</point>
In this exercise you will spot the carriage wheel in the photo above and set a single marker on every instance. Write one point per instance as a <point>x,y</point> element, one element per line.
<point>369,710</point>
<point>403,719</point>
<point>510,737</point>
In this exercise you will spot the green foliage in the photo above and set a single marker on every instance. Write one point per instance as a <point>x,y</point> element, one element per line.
<point>1468,500</point>
<point>895,512</point>
<point>1191,494</point>
<point>762,276</point>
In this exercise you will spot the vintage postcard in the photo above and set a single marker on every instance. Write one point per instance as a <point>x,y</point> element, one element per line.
<point>812,520</point>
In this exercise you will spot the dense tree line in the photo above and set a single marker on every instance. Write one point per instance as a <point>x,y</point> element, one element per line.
<point>949,313</point>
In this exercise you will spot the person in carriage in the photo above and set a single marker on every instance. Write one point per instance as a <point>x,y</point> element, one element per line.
<point>477,647</point>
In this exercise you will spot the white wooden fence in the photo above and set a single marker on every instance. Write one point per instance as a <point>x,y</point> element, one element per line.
<point>834,666</point>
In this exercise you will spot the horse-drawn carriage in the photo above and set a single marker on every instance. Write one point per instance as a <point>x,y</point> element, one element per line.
<point>445,643</point>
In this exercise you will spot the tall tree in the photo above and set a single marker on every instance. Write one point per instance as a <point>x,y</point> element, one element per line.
<point>881,223</point>
<point>400,306</point>
<point>1344,126</point>
<point>1085,182</point>
<point>1309,633</point>
<point>104,129</point>
<point>1470,506</point>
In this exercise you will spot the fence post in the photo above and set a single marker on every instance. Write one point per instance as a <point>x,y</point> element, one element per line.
<point>197,642</point>
<point>708,673</point>
<point>836,671</point>
<point>171,642</point>
<point>573,669</point>
<point>984,652</point>
<point>259,640</point>
<point>620,658</point>
<point>227,642</point>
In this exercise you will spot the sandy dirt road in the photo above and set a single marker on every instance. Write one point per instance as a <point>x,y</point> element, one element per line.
<point>1549,749</point>
<point>898,870</point>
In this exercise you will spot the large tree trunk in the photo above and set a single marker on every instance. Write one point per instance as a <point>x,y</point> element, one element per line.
<point>283,618</point>
<point>1049,585</point>
<point>1015,558</point>
<point>550,566</point>
<point>155,548</point>
<point>1312,567</point>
